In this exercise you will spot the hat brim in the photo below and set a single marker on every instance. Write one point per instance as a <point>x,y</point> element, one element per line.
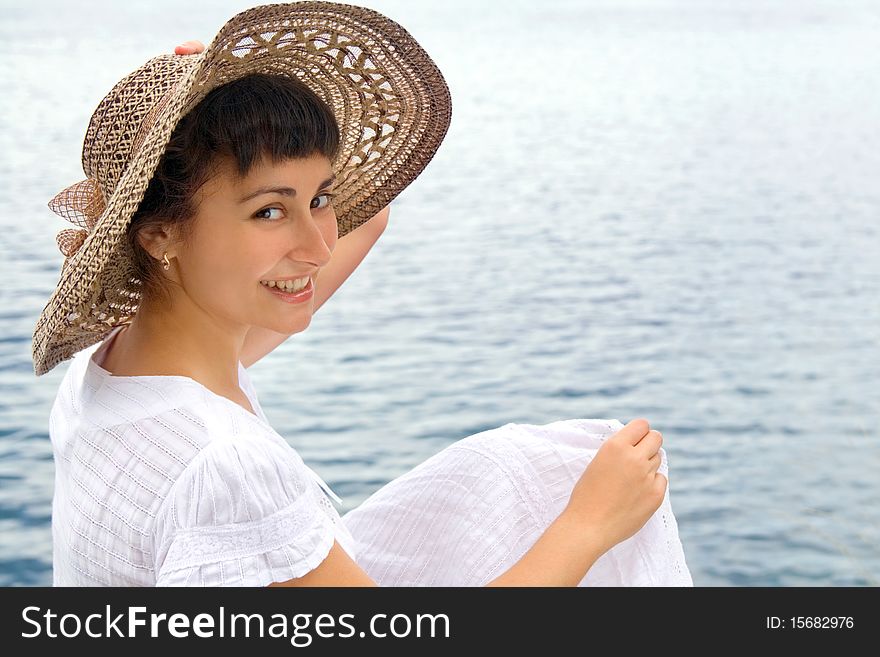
<point>390,100</point>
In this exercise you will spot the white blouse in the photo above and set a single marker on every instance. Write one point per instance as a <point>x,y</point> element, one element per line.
<point>161,482</point>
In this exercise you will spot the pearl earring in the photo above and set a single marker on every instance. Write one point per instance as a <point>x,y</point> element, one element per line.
<point>166,264</point>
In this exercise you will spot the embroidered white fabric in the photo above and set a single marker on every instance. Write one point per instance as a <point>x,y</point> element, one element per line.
<point>268,527</point>
<point>161,482</point>
<point>467,514</point>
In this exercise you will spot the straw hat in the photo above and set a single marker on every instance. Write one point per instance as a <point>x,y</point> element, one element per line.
<point>389,98</point>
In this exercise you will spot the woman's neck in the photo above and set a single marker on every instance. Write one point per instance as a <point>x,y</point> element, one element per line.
<point>183,343</point>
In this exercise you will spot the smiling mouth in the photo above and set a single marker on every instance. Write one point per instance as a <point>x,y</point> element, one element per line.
<point>294,285</point>
<point>291,295</point>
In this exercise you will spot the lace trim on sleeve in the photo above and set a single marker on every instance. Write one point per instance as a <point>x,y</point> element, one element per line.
<point>302,526</point>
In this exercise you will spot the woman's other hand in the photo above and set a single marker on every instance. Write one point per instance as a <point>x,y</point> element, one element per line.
<point>192,47</point>
<point>620,489</point>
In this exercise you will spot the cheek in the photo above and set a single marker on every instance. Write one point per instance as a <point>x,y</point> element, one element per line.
<point>331,234</point>
<point>235,258</point>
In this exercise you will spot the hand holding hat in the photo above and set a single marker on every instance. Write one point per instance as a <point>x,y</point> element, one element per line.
<point>192,47</point>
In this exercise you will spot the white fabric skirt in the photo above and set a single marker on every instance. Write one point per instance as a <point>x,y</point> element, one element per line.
<point>468,513</point>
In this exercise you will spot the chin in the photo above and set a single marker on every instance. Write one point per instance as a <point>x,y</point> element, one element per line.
<point>298,326</point>
<point>286,320</point>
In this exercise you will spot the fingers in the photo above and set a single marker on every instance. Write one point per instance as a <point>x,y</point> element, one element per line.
<point>661,482</point>
<point>649,445</point>
<point>192,47</point>
<point>634,431</point>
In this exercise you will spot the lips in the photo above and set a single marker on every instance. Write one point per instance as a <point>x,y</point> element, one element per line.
<point>288,284</point>
<point>292,297</point>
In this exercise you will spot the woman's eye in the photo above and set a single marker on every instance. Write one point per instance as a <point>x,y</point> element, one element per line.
<point>329,198</point>
<point>273,214</point>
<point>266,213</point>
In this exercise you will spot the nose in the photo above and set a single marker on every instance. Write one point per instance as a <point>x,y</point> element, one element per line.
<point>308,240</point>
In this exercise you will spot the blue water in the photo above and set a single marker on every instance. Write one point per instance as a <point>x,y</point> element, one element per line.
<point>659,209</point>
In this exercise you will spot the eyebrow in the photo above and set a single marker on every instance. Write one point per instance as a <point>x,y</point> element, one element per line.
<point>284,191</point>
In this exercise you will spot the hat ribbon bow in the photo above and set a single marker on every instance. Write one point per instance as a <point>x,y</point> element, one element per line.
<point>81,204</point>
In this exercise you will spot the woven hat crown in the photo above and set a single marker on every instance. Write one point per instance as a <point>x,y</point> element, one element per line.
<point>115,133</point>
<point>125,115</point>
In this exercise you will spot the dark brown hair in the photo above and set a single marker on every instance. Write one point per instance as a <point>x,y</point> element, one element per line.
<point>254,117</point>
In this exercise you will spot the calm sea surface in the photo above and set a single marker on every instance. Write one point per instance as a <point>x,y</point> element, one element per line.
<point>660,209</point>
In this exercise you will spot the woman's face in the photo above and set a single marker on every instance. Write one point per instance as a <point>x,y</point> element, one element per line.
<point>276,223</point>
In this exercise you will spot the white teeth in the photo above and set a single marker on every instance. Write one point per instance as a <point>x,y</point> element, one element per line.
<point>288,286</point>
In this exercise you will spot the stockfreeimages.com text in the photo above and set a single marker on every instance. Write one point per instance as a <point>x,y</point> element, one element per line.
<point>134,622</point>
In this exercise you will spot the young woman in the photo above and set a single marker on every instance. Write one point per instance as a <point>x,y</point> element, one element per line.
<point>226,200</point>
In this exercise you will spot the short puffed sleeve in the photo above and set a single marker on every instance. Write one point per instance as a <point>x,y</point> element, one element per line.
<point>243,512</point>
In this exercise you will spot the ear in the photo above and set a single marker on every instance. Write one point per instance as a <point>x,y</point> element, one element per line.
<point>157,239</point>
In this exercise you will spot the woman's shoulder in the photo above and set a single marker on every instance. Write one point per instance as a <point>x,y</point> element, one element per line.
<point>162,442</point>
<point>112,400</point>
<point>244,510</point>
<point>166,420</point>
